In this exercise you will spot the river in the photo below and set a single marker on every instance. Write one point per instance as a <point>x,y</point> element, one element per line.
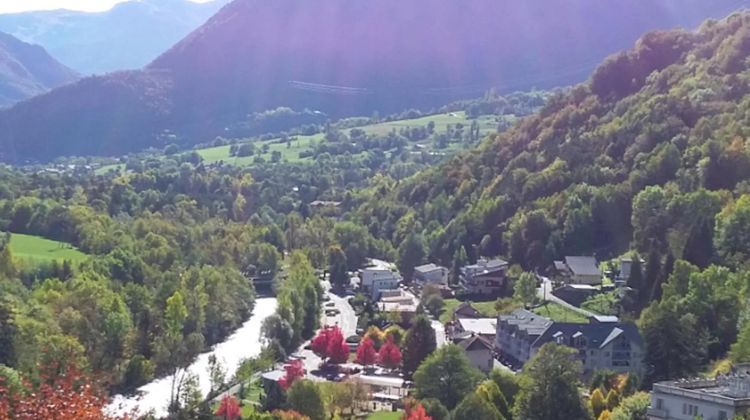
<point>244,343</point>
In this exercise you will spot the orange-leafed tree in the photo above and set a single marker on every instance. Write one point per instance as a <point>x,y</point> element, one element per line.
<point>293,370</point>
<point>366,354</point>
<point>289,415</point>
<point>414,410</point>
<point>60,394</point>
<point>390,355</point>
<point>229,408</point>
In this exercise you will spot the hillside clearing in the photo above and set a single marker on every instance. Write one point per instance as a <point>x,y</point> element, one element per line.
<point>37,249</point>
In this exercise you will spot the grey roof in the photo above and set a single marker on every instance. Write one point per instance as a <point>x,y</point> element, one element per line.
<point>583,266</point>
<point>427,268</point>
<point>560,266</point>
<point>526,321</point>
<point>597,335</point>
<point>475,342</point>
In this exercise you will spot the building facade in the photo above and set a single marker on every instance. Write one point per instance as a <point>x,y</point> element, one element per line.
<point>601,343</point>
<point>579,270</point>
<point>375,280</point>
<point>717,399</point>
<point>431,274</point>
<point>486,277</point>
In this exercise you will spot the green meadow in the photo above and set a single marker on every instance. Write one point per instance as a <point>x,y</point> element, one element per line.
<point>37,249</point>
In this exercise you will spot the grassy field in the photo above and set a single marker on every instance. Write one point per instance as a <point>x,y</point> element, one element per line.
<point>559,313</point>
<point>487,124</point>
<point>385,415</point>
<point>37,249</point>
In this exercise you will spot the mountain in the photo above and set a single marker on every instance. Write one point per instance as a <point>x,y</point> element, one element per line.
<point>128,36</point>
<point>27,70</point>
<point>342,57</point>
<point>644,156</point>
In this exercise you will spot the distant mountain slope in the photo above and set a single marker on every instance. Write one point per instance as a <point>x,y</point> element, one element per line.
<point>128,36</point>
<point>27,70</point>
<point>344,57</point>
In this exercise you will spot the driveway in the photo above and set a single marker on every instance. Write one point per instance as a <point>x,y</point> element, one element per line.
<point>440,338</point>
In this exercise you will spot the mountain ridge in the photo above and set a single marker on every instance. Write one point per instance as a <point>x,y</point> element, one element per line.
<point>27,70</point>
<point>341,57</point>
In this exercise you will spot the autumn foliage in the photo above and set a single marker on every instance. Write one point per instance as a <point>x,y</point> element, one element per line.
<point>390,355</point>
<point>289,415</point>
<point>330,344</point>
<point>60,395</point>
<point>294,370</point>
<point>415,412</point>
<point>366,354</point>
<point>229,409</point>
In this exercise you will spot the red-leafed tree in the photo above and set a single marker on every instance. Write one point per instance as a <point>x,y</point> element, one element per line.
<point>417,413</point>
<point>366,354</point>
<point>319,344</point>
<point>330,344</point>
<point>229,409</point>
<point>390,355</point>
<point>338,350</point>
<point>59,395</point>
<point>293,371</point>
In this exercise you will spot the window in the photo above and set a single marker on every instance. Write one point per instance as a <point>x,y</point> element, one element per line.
<point>690,409</point>
<point>659,403</point>
<point>723,415</point>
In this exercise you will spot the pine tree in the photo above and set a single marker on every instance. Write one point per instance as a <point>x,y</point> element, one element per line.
<point>418,344</point>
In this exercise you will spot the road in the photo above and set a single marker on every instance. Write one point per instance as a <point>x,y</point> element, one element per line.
<point>346,319</point>
<point>439,328</point>
<point>545,294</point>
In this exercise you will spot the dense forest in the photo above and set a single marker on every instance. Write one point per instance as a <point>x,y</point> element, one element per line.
<point>649,156</point>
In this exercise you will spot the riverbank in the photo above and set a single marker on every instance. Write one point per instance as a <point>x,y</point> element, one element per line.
<point>244,343</point>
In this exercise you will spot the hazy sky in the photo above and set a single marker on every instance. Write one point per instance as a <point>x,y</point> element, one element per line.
<point>12,6</point>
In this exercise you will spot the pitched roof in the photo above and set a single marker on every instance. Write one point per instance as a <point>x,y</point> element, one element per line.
<point>467,309</point>
<point>427,268</point>
<point>527,321</point>
<point>597,335</point>
<point>475,342</point>
<point>583,266</point>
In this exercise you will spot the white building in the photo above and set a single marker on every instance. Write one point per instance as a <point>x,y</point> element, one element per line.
<point>431,273</point>
<point>719,399</point>
<point>479,351</point>
<point>377,279</point>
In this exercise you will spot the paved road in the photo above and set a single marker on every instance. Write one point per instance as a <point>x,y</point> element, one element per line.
<point>346,320</point>
<point>440,338</point>
<point>545,294</point>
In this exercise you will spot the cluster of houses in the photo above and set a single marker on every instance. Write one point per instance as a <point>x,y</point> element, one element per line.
<point>603,343</point>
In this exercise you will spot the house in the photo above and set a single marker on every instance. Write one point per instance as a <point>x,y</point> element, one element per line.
<point>486,277</point>
<point>575,294</point>
<point>377,279</point>
<point>483,327</point>
<point>479,351</point>
<point>626,265</point>
<point>602,343</point>
<point>722,398</point>
<point>516,333</point>
<point>399,302</point>
<point>466,310</point>
<point>431,274</point>
<point>579,270</point>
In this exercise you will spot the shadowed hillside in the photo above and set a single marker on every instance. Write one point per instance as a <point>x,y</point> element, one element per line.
<point>341,57</point>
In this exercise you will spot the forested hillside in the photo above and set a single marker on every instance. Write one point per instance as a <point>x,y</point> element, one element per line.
<point>340,57</point>
<point>27,70</point>
<point>648,151</point>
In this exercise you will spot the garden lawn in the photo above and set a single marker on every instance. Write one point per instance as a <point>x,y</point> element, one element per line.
<point>37,249</point>
<point>559,313</point>
<point>385,415</point>
<point>486,308</point>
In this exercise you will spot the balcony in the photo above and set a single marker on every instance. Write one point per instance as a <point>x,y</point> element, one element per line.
<point>657,413</point>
